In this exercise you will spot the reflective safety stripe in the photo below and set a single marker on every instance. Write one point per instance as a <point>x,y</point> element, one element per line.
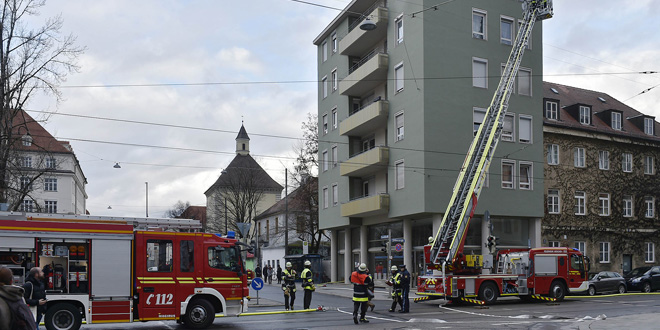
<point>361,299</point>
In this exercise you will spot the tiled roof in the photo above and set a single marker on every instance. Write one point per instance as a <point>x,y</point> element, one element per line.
<point>242,133</point>
<point>238,165</point>
<point>601,104</point>
<point>42,141</point>
<point>295,204</point>
<point>195,212</point>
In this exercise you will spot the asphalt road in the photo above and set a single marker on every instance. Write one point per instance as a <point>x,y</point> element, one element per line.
<point>601,312</point>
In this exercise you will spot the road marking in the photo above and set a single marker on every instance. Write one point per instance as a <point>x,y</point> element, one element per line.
<point>373,317</point>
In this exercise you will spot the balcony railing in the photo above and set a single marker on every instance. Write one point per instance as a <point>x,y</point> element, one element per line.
<point>366,206</point>
<point>357,42</point>
<point>370,72</point>
<point>366,119</point>
<point>367,162</point>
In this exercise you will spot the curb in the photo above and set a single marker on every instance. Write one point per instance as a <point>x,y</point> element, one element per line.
<point>275,312</point>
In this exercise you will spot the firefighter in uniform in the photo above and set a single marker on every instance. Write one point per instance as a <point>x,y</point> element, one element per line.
<point>361,281</point>
<point>289,286</point>
<point>307,284</point>
<point>395,283</point>
<point>405,289</point>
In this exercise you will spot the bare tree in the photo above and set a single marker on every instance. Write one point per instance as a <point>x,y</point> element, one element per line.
<point>32,61</point>
<point>177,209</point>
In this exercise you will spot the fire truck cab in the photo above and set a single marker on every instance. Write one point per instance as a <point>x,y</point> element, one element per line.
<point>113,270</point>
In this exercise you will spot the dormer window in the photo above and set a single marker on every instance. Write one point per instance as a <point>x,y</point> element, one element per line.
<point>648,126</point>
<point>616,120</point>
<point>585,115</point>
<point>551,110</point>
<point>27,140</point>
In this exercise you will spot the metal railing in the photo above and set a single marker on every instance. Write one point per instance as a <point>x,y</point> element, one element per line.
<point>352,112</point>
<point>365,59</point>
<point>366,196</point>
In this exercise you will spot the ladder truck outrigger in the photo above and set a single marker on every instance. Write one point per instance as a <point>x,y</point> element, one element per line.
<point>542,273</point>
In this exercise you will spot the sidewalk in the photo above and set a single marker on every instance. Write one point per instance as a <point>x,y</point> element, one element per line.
<point>346,290</point>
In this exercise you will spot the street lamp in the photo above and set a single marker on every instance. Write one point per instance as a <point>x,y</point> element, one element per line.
<point>367,25</point>
<point>226,230</point>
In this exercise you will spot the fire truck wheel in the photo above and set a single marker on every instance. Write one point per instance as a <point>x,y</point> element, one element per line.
<point>488,293</point>
<point>200,314</point>
<point>592,290</point>
<point>63,316</point>
<point>557,290</point>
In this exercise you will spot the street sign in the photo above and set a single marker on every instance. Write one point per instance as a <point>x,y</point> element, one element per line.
<point>398,240</point>
<point>384,236</point>
<point>398,247</point>
<point>257,283</point>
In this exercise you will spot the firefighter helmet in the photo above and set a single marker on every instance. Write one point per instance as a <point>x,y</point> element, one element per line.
<point>288,265</point>
<point>363,267</point>
<point>308,263</point>
<point>394,268</point>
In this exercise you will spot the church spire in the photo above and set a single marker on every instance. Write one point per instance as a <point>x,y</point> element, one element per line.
<point>242,141</point>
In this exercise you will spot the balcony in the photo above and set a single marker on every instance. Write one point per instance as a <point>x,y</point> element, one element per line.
<point>370,72</point>
<point>358,41</point>
<point>366,206</point>
<point>365,163</point>
<point>365,120</point>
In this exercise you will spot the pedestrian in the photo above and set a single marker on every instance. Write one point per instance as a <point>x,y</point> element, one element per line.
<point>289,286</point>
<point>270,274</point>
<point>371,287</point>
<point>279,274</point>
<point>257,271</point>
<point>14,313</point>
<point>307,283</point>
<point>405,289</point>
<point>35,292</point>
<point>395,283</point>
<point>361,281</point>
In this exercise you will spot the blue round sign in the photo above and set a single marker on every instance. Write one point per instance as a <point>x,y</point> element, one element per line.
<point>257,283</point>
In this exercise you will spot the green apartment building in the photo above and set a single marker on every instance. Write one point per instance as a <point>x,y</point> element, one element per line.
<point>398,107</point>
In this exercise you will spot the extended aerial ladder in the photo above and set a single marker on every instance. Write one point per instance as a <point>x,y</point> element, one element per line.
<point>450,238</point>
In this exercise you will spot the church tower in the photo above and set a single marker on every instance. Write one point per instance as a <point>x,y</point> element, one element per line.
<point>242,142</point>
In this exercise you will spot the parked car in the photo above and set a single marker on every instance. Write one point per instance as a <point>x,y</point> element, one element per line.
<point>645,279</point>
<point>606,282</point>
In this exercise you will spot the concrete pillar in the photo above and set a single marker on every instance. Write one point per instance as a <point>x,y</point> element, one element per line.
<point>535,226</point>
<point>334,255</point>
<point>407,244</point>
<point>348,256</point>
<point>364,249</point>
<point>485,231</point>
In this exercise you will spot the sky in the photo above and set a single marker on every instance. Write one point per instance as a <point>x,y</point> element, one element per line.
<point>224,47</point>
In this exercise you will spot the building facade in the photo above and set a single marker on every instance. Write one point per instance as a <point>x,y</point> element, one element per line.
<point>45,173</point>
<point>601,182</point>
<point>398,107</point>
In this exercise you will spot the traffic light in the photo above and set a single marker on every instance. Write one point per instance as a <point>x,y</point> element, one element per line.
<point>492,243</point>
<point>386,246</point>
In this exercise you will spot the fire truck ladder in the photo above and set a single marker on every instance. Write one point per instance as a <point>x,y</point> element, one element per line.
<point>450,237</point>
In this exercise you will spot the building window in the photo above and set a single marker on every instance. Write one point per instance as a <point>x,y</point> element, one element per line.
<point>554,244</point>
<point>324,49</point>
<point>27,205</point>
<point>325,197</point>
<point>507,128</point>
<point>324,160</point>
<point>398,122</point>
<point>325,124</point>
<point>603,160</point>
<point>50,184</point>
<point>399,29</point>
<point>334,118</point>
<point>627,206</point>
<point>479,72</point>
<point>585,115</point>
<point>50,206</point>
<point>580,202</point>
<point>649,203</point>
<point>603,204</point>
<point>400,174</point>
<point>334,80</point>
<point>324,86</point>
<point>616,121</point>
<point>581,246</point>
<point>525,179</point>
<point>50,163</point>
<point>525,82</point>
<point>553,154</point>
<point>553,201</point>
<point>525,129</point>
<point>604,252</point>
<point>26,161</point>
<point>335,195</point>
<point>26,183</point>
<point>334,42</point>
<point>478,115</point>
<point>334,156</point>
<point>578,157</point>
<point>506,30</point>
<point>649,165</point>
<point>398,77</point>
<point>649,256</point>
<point>551,110</point>
<point>626,162</point>
<point>479,24</point>
<point>648,126</point>
<point>508,173</point>
<point>27,140</point>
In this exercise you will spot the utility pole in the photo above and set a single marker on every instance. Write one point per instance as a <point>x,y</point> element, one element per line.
<point>226,232</point>
<point>146,208</point>
<point>286,210</point>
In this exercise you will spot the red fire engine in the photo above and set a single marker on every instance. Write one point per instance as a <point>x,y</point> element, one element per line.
<point>526,273</point>
<point>107,270</point>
